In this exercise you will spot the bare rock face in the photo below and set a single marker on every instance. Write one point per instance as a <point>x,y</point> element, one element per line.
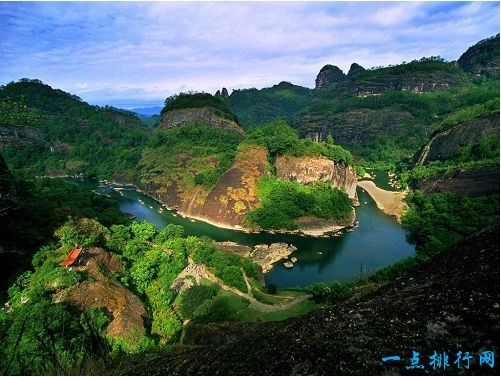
<point>201,115</point>
<point>448,144</point>
<point>236,192</point>
<point>463,182</point>
<point>351,126</point>
<point>266,255</point>
<point>105,292</point>
<point>328,76</point>
<point>21,135</point>
<point>313,169</point>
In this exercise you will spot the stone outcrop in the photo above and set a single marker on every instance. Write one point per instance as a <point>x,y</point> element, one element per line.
<point>355,69</point>
<point>222,93</point>
<point>8,195</point>
<point>103,291</point>
<point>352,126</point>
<point>329,76</point>
<point>21,135</point>
<point>305,170</point>
<point>448,304</point>
<point>463,182</point>
<point>205,116</point>
<point>448,144</point>
<point>224,205</point>
<point>264,255</point>
<point>482,58</point>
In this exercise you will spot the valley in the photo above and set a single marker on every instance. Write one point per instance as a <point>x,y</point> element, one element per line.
<point>253,224</point>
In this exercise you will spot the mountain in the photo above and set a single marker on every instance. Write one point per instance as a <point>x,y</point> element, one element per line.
<point>204,165</point>
<point>46,131</point>
<point>482,58</point>
<point>257,107</point>
<point>385,114</point>
<point>147,111</point>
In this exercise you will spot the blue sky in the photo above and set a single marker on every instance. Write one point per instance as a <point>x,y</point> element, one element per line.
<point>136,54</point>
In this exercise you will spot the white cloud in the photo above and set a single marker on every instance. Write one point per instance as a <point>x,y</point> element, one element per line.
<point>108,52</point>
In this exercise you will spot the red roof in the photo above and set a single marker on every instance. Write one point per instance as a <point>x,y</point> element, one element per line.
<point>72,257</point>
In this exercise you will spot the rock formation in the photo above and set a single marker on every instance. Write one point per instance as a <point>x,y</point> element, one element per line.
<point>226,204</point>
<point>448,144</point>
<point>305,170</point>
<point>482,58</point>
<point>264,255</point>
<point>355,69</point>
<point>202,115</point>
<point>463,182</point>
<point>328,76</point>
<point>105,292</point>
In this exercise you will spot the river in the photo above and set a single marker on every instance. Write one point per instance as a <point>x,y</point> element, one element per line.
<point>377,242</point>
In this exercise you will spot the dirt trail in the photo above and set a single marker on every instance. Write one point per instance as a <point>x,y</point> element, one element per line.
<point>390,202</point>
<point>199,271</point>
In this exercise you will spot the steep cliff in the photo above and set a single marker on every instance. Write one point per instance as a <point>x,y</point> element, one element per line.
<point>313,169</point>
<point>203,115</point>
<point>426,75</point>
<point>449,144</point>
<point>235,193</point>
<point>448,304</point>
<point>226,203</point>
<point>482,58</point>
<point>463,182</point>
<point>352,126</point>
<point>329,76</point>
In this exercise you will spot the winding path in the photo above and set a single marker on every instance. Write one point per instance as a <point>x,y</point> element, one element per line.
<point>199,271</point>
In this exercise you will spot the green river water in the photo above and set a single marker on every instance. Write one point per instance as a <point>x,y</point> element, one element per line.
<point>377,242</point>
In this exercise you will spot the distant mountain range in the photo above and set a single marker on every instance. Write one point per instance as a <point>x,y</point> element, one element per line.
<point>147,111</point>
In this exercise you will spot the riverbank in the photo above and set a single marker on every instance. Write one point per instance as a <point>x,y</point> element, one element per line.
<point>390,202</point>
<point>307,226</point>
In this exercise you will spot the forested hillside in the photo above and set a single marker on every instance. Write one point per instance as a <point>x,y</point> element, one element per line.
<point>46,131</point>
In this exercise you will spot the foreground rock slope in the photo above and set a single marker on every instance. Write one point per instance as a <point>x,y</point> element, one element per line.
<point>448,304</point>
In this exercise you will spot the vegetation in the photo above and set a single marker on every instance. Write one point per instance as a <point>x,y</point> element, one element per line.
<point>190,156</point>
<point>440,220</point>
<point>70,136</point>
<point>280,102</point>
<point>226,266</point>
<point>284,201</point>
<point>281,139</point>
<point>197,100</point>
<point>44,205</point>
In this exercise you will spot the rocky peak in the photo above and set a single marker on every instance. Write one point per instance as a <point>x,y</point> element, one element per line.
<point>328,76</point>
<point>355,69</point>
<point>482,58</point>
<point>201,115</point>
<point>222,93</point>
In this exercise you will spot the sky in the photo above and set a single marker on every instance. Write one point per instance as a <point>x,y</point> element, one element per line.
<point>135,54</point>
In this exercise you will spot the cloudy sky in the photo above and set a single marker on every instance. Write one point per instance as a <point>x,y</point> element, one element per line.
<point>136,54</point>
